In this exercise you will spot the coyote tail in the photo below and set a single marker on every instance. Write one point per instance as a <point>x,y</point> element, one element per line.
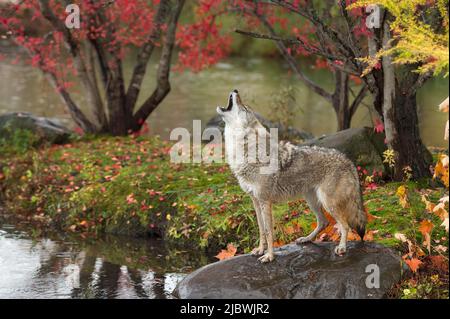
<point>358,220</point>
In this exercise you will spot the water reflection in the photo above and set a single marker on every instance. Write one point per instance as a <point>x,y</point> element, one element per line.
<point>111,267</point>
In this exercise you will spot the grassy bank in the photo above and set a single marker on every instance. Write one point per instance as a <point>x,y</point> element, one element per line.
<point>128,186</point>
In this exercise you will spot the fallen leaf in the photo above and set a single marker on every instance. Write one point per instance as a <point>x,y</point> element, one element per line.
<point>445,224</point>
<point>401,237</point>
<point>278,243</point>
<point>426,226</point>
<point>440,211</point>
<point>413,264</point>
<point>227,253</point>
<point>429,206</point>
<point>84,223</point>
<point>439,263</point>
<point>441,248</point>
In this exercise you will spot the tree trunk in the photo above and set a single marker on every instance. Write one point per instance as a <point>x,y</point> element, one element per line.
<point>340,100</point>
<point>406,142</point>
<point>400,118</point>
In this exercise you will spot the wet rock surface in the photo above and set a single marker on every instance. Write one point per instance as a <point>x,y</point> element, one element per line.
<point>299,271</point>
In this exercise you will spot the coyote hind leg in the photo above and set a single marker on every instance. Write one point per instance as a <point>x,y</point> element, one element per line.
<point>322,222</point>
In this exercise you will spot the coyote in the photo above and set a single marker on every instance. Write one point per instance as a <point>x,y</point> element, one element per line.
<point>324,177</point>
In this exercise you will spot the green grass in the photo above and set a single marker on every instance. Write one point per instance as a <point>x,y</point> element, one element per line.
<point>128,186</point>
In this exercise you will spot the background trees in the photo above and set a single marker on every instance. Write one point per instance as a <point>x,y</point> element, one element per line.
<point>94,54</point>
<point>414,47</point>
<point>338,34</point>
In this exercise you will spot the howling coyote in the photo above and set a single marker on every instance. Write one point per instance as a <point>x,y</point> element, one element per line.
<point>326,178</point>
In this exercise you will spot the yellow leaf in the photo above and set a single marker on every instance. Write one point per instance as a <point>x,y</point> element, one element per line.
<point>402,196</point>
<point>401,191</point>
<point>441,169</point>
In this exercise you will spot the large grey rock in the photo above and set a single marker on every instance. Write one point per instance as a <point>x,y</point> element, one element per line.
<point>44,130</point>
<point>288,133</point>
<point>361,145</point>
<point>306,271</point>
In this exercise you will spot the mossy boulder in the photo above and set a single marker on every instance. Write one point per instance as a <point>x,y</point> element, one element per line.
<point>361,145</point>
<point>285,132</point>
<point>41,130</point>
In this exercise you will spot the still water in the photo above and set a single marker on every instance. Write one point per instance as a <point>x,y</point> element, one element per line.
<point>34,265</point>
<point>195,96</point>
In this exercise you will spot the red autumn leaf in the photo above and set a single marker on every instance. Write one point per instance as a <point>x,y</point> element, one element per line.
<point>227,253</point>
<point>131,199</point>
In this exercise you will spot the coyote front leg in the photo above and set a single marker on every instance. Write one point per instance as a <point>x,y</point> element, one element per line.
<point>258,251</point>
<point>266,210</point>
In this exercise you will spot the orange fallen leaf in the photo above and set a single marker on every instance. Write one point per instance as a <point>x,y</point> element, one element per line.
<point>227,253</point>
<point>292,229</point>
<point>429,206</point>
<point>369,235</point>
<point>278,243</point>
<point>413,264</point>
<point>371,217</point>
<point>84,223</point>
<point>426,226</point>
<point>440,211</point>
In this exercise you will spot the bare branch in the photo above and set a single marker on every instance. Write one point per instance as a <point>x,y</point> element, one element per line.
<point>292,63</point>
<point>310,48</point>
<point>162,76</point>
<point>92,91</point>
<point>421,79</point>
<point>358,99</point>
<point>145,54</point>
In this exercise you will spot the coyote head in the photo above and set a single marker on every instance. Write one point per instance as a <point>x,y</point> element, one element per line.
<point>236,114</point>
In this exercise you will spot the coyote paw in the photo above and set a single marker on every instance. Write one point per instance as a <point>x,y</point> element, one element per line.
<point>340,250</point>
<point>302,240</point>
<point>266,258</point>
<point>258,251</point>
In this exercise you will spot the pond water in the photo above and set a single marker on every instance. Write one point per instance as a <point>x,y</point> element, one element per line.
<point>34,265</point>
<point>195,96</point>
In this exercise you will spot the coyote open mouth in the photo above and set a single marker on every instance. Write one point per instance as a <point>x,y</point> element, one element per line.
<point>230,102</point>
